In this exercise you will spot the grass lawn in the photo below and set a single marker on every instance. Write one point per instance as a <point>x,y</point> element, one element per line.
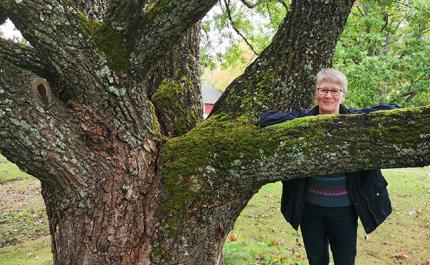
<point>8,171</point>
<point>260,236</point>
<point>35,252</point>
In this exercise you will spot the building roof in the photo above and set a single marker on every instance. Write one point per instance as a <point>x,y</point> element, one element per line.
<point>210,94</point>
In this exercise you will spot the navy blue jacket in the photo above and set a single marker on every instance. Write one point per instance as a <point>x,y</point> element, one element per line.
<point>367,188</point>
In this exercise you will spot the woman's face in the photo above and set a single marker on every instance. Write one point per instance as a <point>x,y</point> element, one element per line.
<point>327,102</point>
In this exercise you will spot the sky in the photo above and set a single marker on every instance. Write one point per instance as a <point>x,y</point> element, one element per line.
<point>9,31</point>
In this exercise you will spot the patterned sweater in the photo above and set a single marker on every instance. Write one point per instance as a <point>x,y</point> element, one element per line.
<point>328,191</point>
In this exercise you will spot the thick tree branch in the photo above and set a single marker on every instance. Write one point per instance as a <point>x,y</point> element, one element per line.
<point>304,44</point>
<point>94,9</point>
<point>161,25</point>
<point>221,152</point>
<point>174,86</point>
<point>3,15</point>
<point>84,65</point>
<point>123,13</point>
<point>56,32</point>
<point>37,131</point>
<point>23,56</point>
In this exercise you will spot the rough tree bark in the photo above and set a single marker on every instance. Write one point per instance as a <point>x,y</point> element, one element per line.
<point>104,108</point>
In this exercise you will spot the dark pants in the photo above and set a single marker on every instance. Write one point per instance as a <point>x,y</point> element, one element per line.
<point>335,225</point>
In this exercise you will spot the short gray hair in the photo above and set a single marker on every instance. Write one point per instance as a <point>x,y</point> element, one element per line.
<point>329,74</point>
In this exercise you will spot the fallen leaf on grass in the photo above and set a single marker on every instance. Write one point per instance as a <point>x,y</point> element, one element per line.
<point>400,255</point>
<point>261,257</point>
<point>415,212</point>
<point>274,243</point>
<point>427,262</point>
<point>232,237</point>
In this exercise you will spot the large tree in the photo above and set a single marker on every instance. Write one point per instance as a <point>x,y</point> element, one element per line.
<point>104,108</point>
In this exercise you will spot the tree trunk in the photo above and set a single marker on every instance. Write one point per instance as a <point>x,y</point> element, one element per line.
<point>104,108</point>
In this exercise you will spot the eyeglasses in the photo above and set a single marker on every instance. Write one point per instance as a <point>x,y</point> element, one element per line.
<point>333,91</point>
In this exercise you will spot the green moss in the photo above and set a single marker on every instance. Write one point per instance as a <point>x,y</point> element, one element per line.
<point>217,150</point>
<point>194,161</point>
<point>171,97</point>
<point>108,40</point>
<point>160,253</point>
<point>262,99</point>
<point>155,6</point>
<point>154,121</point>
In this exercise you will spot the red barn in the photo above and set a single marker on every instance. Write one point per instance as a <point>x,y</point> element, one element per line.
<point>209,96</point>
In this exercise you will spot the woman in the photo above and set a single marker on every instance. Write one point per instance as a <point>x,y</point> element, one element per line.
<point>327,207</point>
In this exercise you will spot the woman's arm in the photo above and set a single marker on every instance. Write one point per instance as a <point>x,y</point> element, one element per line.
<point>379,107</point>
<point>274,117</point>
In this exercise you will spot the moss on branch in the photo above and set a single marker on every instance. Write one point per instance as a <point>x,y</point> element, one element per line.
<point>173,110</point>
<point>222,153</point>
<point>109,40</point>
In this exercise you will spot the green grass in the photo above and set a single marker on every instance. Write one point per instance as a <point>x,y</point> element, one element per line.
<point>22,212</point>
<point>9,171</point>
<point>36,252</point>
<point>260,236</point>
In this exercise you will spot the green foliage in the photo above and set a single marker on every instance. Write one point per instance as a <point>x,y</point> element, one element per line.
<point>383,50</point>
<point>258,25</point>
<point>233,66</point>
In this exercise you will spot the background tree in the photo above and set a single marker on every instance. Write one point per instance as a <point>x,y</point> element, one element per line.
<point>104,108</point>
<point>382,50</point>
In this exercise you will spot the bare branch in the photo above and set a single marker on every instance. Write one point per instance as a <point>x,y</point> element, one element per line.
<point>23,56</point>
<point>385,18</point>
<point>398,25</point>
<point>360,11</point>
<point>250,5</point>
<point>37,130</point>
<point>233,24</point>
